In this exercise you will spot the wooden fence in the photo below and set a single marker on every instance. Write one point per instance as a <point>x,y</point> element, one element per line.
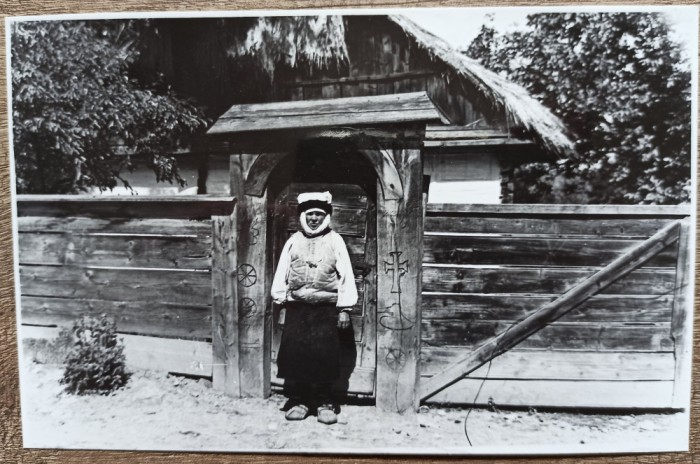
<point>146,261</point>
<point>495,279</point>
<point>486,268</point>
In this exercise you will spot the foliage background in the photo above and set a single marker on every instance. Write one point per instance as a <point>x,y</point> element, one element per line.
<point>621,85</point>
<point>78,114</point>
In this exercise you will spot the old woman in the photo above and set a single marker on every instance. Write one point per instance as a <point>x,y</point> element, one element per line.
<point>314,283</point>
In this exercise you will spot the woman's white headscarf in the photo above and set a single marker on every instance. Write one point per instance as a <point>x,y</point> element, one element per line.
<point>315,201</point>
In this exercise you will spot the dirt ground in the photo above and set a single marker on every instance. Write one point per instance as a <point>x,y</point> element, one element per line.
<point>156,411</point>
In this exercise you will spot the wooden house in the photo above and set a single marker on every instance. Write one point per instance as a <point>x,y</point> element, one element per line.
<point>519,305</point>
<point>488,125</point>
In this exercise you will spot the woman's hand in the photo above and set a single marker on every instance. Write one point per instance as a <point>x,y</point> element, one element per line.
<point>280,320</point>
<point>343,320</point>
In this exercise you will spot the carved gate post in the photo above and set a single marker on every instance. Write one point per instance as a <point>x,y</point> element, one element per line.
<point>399,260</point>
<point>254,323</point>
<point>225,370</point>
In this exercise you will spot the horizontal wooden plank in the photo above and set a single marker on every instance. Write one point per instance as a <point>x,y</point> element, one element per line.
<point>497,279</point>
<point>339,118</point>
<point>442,132</point>
<point>136,317</point>
<point>559,394</point>
<point>462,249</point>
<point>514,307</point>
<point>180,252</point>
<point>364,110</point>
<point>185,206</point>
<point>154,286</point>
<point>552,209</point>
<point>557,365</point>
<point>88,225</point>
<point>487,142</point>
<point>557,336</point>
<point>558,226</point>
<point>394,102</point>
<point>359,78</point>
<point>151,353</point>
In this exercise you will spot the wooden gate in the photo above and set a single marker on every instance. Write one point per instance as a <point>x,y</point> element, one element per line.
<point>586,304</point>
<point>354,218</point>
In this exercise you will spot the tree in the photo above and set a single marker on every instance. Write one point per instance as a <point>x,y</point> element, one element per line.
<point>620,83</point>
<point>82,97</point>
<point>76,111</point>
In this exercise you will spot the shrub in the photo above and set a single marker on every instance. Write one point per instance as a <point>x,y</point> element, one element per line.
<point>96,362</point>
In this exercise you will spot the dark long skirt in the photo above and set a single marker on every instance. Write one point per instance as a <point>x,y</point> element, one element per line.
<point>310,347</point>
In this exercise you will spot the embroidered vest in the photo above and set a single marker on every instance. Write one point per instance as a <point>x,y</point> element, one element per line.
<point>312,265</point>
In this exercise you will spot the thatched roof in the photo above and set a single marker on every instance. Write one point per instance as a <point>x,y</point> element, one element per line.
<point>526,111</point>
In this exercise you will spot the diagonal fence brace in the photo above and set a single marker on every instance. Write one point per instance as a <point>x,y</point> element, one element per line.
<point>621,266</point>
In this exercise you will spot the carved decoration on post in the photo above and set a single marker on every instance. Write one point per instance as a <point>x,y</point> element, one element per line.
<point>254,329</point>
<point>398,286</point>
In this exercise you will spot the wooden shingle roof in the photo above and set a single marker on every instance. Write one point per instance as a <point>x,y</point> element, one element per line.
<point>307,114</point>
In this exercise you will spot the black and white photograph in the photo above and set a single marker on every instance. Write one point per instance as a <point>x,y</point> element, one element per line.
<point>432,231</point>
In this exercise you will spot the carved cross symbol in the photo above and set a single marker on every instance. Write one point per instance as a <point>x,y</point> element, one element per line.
<point>397,269</point>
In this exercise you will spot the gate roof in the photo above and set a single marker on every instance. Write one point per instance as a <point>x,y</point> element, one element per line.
<point>308,114</point>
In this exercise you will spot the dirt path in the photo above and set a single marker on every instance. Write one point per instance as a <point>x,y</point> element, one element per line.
<point>160,412</point>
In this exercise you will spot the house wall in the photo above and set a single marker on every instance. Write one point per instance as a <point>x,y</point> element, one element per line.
<point>383,60</point>
<point>454,178</point>
<point>142,181</point>
<point>460,178</point>
<point>193,56</point>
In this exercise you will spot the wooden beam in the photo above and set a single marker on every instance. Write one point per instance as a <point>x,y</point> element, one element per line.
<point>491,142</point>
<point>395,133</point>
<point>548,313</point>
<point>519,364</point>
<point>225,369</point>
<point>682,318</point>
<point>185,206</point>
<point>262,167</point>
<point>399,275</point>
<point>612,394</point>
<point>390,182</point>
<point>77,225</point>
<point>332,112</point>
<point>656,211</point>
<point>358,79</point>
<point>254,322</point>
<point>186,321</point>
<point>437,132</point>
<point>157,286</point>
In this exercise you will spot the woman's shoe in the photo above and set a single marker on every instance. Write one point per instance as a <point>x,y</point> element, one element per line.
<point>326,414</point>
<point>297,413</point>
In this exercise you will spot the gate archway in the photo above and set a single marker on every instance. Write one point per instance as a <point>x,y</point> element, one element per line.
<point>385,130</point>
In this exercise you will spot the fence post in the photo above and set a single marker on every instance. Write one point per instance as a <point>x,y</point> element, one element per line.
<point>399,274</point>
<point>225,370</point>
<point>254,322</point>
<point>682,317</point>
